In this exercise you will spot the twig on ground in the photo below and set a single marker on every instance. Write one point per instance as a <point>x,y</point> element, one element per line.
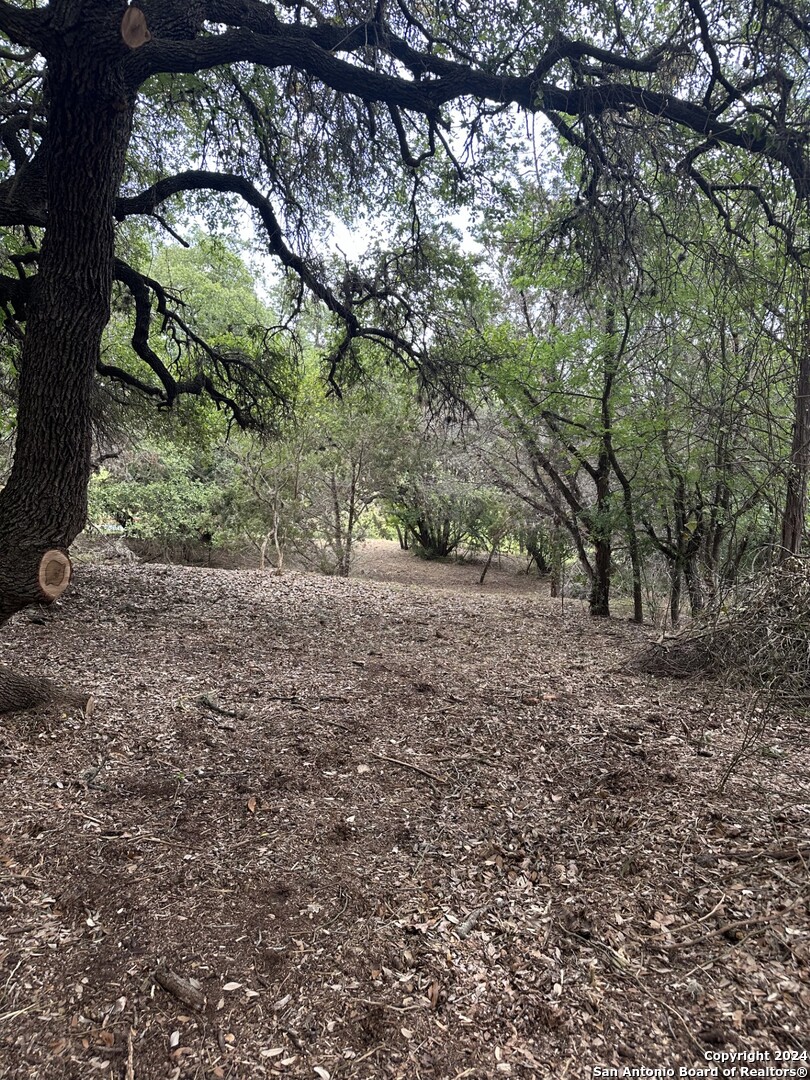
<point>333,723</point>
<point>757,920</point>
<point>674,1012</point>
<point>208,702</point>
<point>616,959</point>
<point>392,1008</point>
<point>684,926</point>
<point>130,1057</point>
<point>17,1012</point>
<point>416,768</point>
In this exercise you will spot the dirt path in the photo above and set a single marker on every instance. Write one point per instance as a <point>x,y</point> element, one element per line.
<point>391,829</point>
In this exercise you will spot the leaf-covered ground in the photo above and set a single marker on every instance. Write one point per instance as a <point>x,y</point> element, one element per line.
<point>409,828</point>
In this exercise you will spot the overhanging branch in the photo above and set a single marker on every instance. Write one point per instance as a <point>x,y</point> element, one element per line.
<point>235,382</point>
<point>24,26</point>
<point>228,183</point>
<point>437,81</point>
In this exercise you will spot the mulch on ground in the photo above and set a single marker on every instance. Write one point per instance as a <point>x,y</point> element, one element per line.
<point>369,828</point>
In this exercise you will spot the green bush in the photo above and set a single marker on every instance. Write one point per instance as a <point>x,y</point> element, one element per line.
<point>158,495</point>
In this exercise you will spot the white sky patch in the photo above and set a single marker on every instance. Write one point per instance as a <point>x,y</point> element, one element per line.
<point>353,241</point>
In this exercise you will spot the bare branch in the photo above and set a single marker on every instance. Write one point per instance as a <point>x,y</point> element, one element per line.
<point>197,180</point>
<point>139,290</point>
<point>231,368</point>
<point>24,26</point>
<point>229,183</point>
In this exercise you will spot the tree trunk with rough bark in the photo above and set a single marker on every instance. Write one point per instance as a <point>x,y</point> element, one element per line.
<point>602,541</point>
<point>676,582</point>
<point>632,536</point>
<point>694,584</point>
<point>599,603</point>
<point>18,692</point>
<point>793,521</point>
<point>44,503</point>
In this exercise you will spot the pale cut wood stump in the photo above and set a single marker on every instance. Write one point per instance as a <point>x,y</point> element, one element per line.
<point>55,571</point>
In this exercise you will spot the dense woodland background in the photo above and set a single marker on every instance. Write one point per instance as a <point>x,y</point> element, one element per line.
<point>606,365</point>
<point>623,417</point>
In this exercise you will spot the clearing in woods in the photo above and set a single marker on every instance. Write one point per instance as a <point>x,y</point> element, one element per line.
<point>405,827</point>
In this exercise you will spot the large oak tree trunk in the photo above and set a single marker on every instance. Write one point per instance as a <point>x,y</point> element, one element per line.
<point>43,505</point>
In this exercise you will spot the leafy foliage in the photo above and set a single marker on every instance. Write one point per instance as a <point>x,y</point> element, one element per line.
<point>163,495</point>
<point>631,362</point>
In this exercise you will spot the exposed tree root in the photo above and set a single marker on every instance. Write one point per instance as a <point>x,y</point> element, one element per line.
<point>20,692</point>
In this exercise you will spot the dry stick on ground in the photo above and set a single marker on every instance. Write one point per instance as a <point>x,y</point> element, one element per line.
<point>416,768</point>
<point>391,1008</point>
<point>616,959</point>
<point>787,854</point>
<point>333,920</point>
<point>18,1012</point>
<point>622,964</point>
<point>130,1057</point>
<point>673,1012</point>
<point>683,926</point>
<point>333,723</point>
<point>180,988</point>
<point>208,702</point>
<point>756,724</point>
<point>755,920</point>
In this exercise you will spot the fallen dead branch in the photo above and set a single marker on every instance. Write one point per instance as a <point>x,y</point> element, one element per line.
<point>738,924</point>
<point>410,765</point>
<point>391,1008</point>
<point>209,701</point>
<point>760,641</point>
<point>180,988</point>
<point>130,1057</point>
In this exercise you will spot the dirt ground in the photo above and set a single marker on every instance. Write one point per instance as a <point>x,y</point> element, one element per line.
<point>395,826</point>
